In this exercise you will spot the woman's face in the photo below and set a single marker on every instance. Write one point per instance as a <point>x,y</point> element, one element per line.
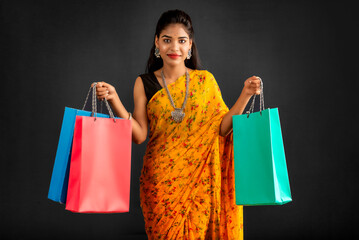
<point>174,44</point>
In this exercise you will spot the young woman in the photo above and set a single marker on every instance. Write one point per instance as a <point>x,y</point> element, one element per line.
<point>187,179</point>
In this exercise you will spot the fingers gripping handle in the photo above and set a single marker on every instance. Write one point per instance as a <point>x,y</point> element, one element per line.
<point>94,103</point>
<point>261,100</point>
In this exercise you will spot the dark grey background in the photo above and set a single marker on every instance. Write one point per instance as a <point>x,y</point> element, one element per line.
<point>303,50</point>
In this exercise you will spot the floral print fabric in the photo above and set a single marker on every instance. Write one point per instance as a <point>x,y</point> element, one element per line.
<point>187,179</point>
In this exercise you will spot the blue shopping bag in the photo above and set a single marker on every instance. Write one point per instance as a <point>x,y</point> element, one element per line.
<point>261,176</point>
<point>60,173</point>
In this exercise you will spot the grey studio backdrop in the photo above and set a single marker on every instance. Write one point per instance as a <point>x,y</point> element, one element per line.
<point>303,50</point>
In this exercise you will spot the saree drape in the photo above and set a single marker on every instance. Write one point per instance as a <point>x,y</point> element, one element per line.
<point>187,179</point>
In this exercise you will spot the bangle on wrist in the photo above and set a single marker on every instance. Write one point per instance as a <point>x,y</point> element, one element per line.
<point>130,116</point>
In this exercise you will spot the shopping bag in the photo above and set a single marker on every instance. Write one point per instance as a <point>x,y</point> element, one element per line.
<point>59,179</point>
<point>60,172</point>
<point>261,176</point>
<point>100,169</point>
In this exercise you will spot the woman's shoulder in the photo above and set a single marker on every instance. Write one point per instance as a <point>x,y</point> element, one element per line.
<point>205,74</point>
<point>148,78</point>
<point>145,75</point>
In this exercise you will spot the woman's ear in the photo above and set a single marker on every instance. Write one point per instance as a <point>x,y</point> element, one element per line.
<point>190,44</point>
<point>156,42</point>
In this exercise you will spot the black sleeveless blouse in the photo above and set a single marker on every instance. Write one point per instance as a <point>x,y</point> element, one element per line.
<point>150,84</point>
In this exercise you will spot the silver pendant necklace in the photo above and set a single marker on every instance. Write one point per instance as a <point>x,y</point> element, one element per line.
<point>177,114</point>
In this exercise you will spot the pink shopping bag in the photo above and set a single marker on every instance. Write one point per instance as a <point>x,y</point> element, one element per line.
<point>100,169</point>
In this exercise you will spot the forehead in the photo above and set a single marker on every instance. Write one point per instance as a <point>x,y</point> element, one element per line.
<point>174,30</point>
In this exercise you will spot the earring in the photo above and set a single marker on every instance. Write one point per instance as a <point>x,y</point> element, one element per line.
<point>157,53</point>
<point>189,54</point>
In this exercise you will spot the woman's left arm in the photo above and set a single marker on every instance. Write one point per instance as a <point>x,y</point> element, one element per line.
<point>251,87</point>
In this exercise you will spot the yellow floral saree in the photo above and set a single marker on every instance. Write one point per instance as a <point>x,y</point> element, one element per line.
<point>187,179</point>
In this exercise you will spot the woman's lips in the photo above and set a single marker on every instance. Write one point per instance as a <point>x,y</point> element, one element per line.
<point>173,56</point>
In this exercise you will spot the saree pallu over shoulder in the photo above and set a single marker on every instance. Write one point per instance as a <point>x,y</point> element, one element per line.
<point>187,179</point>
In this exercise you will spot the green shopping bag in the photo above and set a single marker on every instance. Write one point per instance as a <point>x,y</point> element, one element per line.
<point>261,176</point>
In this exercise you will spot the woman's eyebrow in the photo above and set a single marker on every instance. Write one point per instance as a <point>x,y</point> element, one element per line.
<point>166,36</point>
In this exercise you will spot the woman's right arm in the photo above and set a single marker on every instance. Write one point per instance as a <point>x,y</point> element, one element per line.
<point>139,116</point>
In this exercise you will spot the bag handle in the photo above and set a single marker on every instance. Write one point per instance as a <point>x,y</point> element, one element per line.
<point>94,103</point>
<point>261,101</point>
<point>83,108</point>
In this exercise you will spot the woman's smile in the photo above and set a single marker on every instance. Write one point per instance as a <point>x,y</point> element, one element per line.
<point>174,56</point>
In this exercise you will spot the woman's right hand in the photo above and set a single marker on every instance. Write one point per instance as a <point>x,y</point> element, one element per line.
<point>105,90</point>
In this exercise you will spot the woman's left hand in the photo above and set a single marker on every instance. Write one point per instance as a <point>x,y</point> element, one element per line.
<point>252,86</point>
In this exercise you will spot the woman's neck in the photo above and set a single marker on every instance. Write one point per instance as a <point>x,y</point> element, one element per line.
<point>173,72</point>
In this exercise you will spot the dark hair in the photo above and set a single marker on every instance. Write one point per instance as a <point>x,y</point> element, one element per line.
<point>170,17</point>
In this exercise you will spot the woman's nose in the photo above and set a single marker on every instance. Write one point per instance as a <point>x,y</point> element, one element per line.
<point>174,46</point>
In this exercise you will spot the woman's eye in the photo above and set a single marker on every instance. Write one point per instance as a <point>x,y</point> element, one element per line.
<point>166,40</point>
<point>182,41</point>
